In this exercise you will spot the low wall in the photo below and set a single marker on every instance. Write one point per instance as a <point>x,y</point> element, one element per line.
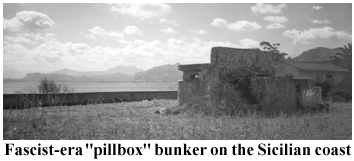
<point>20,101</point>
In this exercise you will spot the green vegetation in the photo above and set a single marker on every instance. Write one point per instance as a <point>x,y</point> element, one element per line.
<point>138,120</point>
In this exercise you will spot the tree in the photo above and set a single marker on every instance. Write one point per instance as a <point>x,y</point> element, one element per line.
<point>273,48</point>
<point>346,54</point>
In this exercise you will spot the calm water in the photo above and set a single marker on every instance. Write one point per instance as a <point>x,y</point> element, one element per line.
<point>23,87</point>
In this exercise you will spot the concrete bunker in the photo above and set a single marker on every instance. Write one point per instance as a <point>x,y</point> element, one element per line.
<point>238,81</point>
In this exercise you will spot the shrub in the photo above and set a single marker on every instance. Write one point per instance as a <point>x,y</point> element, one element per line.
<point>309,99</point>
<point>50,86</point>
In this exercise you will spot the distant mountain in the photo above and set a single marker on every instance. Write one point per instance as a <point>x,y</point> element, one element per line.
<point>126,70</point>
<point>129,70</point>
<point>70,72</point>
<point>161,74</point>
<point>13,74</point>
<point>317,54</point>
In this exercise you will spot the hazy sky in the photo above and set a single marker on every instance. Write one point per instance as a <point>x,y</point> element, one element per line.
<point>93,37</point>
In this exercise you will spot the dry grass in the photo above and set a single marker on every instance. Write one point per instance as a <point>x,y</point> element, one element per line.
<point>137,120</point>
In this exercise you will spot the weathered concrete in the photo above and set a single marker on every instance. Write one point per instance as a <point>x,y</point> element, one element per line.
<point>19,101</point>
<point>238,81</point>
<point>233,62</point>
<point>274,94</point>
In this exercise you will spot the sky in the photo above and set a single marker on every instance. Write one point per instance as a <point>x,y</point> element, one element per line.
<point>95,37</point>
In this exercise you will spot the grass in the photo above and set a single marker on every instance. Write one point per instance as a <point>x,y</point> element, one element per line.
<point>137,120</point>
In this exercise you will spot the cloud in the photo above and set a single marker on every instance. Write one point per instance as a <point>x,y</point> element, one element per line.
<point>277,21</point>
<point>274,19</point>
<point>132,30</point>
<point>19,39</point>
<point>200,31</point>
<point>320,22</point>
<point>50,54</point>
<point>79,48</point>
<point>29,40</point>
<point>249,43</point>
<point>275,26</point>
<point>219,22</point>
<point>100,32</point>
<point>142,10</point>
<point>169,31</point>
<point>31,20</point>
<point>244,26</point>
<point>172,22</point>
<point>316,33</point>
<point>317,7</point>
<point>267,9</point>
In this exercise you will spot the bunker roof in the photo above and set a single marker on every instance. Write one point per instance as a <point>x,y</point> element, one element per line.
<point>191,67</point>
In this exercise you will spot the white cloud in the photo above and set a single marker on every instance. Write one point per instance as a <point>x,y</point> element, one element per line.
<point>100,32</point>
<point>219,22</point>
<point>244,26</point>
<point>200,31</point>
<point>132,30</point>
<point>277,21</point>
<point>28,20</point>
<point>249,43</point>
<point>19,39</point>
<point>172,22</point>
<point>274,19</point>
<point>53,55</point>
<point>78,48</point>
<point>317,7</point>
<point>29,39</point>
<point>319,21</point>
<point>275,26</point>
<point>169,30</point>
<point>142,10</point>
<point>124,41</point>
<point>316,33</point>
<point>267,9</point>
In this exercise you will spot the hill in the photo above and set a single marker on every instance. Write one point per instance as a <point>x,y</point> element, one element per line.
<point>128,70</point>
<point>317,54</point>
<point>161,74</point>
<point>125,70</point>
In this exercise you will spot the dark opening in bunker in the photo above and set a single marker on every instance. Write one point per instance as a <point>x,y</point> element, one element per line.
<point>195,76</point>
